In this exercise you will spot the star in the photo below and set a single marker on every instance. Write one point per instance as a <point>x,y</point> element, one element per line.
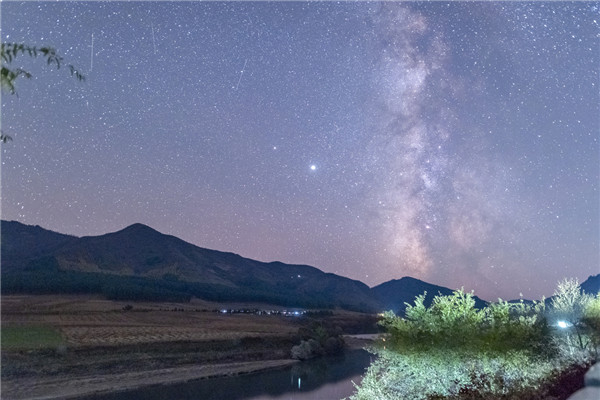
<point>313,167</point>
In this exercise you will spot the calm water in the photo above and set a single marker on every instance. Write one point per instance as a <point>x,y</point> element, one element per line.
<point>323,379</point>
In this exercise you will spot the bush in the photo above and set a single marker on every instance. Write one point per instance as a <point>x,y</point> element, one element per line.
<point>453,322</point>
<point>333,345</point>
<point>440,374</point>
<point>307,349</point>
<point>318,339</point>
<point>451,350</point>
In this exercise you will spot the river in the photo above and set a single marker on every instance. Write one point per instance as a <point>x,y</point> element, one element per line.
<point>328,378</point>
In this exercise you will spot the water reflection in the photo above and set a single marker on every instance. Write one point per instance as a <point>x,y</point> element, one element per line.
<point>326,378</point>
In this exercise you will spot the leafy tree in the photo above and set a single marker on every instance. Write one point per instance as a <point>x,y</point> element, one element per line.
<point>4,138</point>
<point>572,310</point>
<point>8,75</point>
<point>591,319</point>
<point>10,51</point>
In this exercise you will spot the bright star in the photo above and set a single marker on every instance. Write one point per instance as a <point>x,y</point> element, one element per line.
<point>313,167</point>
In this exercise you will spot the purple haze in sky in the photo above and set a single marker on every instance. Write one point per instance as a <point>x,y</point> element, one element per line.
<point>453,142</point>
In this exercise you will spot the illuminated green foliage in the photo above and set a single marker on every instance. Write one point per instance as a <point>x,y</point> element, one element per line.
<point>579,314</point>
<point>451,350</point>
<point>591,319</point>
<point>453,322</point>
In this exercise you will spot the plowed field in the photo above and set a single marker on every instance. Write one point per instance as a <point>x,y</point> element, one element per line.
<point>87,321</point>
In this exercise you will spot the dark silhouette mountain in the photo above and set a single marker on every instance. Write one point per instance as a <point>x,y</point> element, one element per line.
<point>591,285</point>
<point>393,295</point>
<point>140,263</point>
<point>23,243</point>
<point>149,263</point>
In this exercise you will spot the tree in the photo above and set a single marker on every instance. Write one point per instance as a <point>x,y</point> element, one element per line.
<point>569,308</point>
<point>8,76</point>
<point>9,53</point>
<point>4,138</point>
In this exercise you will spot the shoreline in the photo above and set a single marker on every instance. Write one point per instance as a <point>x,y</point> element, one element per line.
<point>66,387</point>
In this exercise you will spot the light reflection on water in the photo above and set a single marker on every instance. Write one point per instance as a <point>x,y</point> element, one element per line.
<point>328,378</point>
<point>330,391</point>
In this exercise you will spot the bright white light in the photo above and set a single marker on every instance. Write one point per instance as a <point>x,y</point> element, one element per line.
<point>313,167</point>
<point>563,324</point>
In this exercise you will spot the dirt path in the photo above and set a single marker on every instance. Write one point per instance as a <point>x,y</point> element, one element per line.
<point>69,387</point>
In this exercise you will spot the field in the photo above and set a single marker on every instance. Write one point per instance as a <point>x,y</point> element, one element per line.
<point>85,321</point>
<point>54,344</point>
<point>30,337</point>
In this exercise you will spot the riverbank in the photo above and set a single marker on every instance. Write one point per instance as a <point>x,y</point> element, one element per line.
<point>72,387</point>
<point>38,375</point>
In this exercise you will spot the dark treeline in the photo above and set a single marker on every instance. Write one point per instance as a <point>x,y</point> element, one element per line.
<point>44,277</point>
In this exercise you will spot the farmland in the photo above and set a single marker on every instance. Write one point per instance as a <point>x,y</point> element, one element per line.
<point>92,322</point>
<point>64,341</point>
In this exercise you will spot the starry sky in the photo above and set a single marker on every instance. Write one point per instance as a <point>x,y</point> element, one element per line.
<point>453,142</point>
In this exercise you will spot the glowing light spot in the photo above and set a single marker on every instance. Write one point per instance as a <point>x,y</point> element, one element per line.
<point>313,167</point>
<point>563,324</point>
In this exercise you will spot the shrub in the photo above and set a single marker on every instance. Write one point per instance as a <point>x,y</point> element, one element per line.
<point>453,322</point>
<point>437,374</point>
<point>307,349</point>
<point>333,345</point>
<point>451,350</point>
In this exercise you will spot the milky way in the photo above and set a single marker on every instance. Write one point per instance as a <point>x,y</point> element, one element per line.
<point>451,203</point>
<point>453,142</point>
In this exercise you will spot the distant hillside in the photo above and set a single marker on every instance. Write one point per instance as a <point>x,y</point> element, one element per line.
<point>139,262</point>
<point>23,243</point>
<point>393,295</point>
<point>591,284</point>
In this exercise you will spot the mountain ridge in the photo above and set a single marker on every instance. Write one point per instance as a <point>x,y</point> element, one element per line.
<point>139,261</point>
<point>144,256</point>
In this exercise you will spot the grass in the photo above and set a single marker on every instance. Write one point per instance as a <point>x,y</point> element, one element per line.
<point>30,337</point>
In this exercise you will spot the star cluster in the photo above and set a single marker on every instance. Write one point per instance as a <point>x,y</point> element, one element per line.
<point>453,142</point>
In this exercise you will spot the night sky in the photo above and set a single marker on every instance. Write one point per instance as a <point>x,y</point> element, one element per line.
<point>455,143</point>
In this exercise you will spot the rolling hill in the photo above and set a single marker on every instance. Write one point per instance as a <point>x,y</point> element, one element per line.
<point>140,263</point>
